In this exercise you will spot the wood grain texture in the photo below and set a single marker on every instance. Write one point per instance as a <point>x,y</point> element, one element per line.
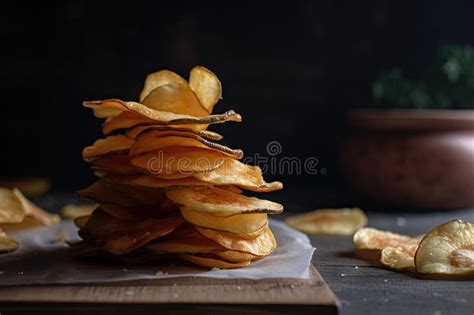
<point>312,294</point>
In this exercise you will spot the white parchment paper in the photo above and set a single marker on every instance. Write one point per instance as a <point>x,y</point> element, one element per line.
<point>43,259</point>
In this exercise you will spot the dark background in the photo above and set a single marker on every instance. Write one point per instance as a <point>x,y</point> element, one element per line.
<point>291,69</point>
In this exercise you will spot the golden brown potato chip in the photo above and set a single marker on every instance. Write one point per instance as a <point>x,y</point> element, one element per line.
<point>400,258</point>
<point>236,257</point>
<point>179,160</point>
<point>26,224</point>
<point>153,182</point>
<point>190,244</point>
<point>11,207</point>
<point>72,211</point>
<point>329,221</point>
<point>262,245</point>
<point>101,191</point>
<point>144,195</point>
<point>373,239</point>
<point>154,131</point>
<point>118,144</point>
<point>81,222</point>
<point>175,98</point>
<point>447,250</point>
<point>149,144</point>
<point>220,202</point>
<point>206,85</point>
<point>233,172</point>
<point>7,244</point>
<point>29,186</point>
<point>35,212</point>
<point>145,115</point>
<point>118,164</point>
<point>209,262</point>
<point>239,224</point>
<point>159,78</point>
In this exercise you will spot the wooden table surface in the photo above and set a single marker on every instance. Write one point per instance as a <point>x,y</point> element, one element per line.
<point>363,288</point>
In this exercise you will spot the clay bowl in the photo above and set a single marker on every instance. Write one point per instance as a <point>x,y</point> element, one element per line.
<point>413,158</point>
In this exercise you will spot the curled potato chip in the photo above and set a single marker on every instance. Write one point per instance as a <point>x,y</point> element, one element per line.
<point>221,202</point>
<point>373,239</point>
<point>212,262</point>
<point>118,164</point>
<point>159,78</point>
<point>329,221</point>
<point>206,85</point>
<point>175,98</point>
<point>261,245</point>
<point>35,212</point>
<point>179,160</point>
<point>72,211</point>
<point>7,244</point>
<point>118,144</point>
<point>400,258</point>
<point>154,144</point>
<point>235,257</point>
<point>233,172</point>
<point>154,131</point>
<point>447,250</point>
<point>142,114</point>
<point>11,207</point>
<point>239,224</point>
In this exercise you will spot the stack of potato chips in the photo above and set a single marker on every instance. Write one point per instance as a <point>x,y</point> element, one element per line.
<point>166,189</point>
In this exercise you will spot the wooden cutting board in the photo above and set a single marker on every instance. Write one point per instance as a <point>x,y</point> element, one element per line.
<point>178,295</point>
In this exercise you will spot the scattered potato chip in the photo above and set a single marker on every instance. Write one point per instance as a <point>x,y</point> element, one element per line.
<point>447,250</point>
<point>239,224</point>
<point>155,144</point>
<point>26,224</point>
<point>72,211</point>
<point>400,258</point>
<point>329,221</point>
<point>11,207</point>
<point>211,262</point>
<point>206,85</point>
<point>29,186</point>
<point>220,202</point>
<point>373,239</point>
<point>262,245</point>
<point>118,144</point>
<point>35,212</point>
<point>7,244</point>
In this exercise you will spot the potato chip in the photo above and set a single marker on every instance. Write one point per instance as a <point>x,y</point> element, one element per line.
<point>118,164</point>
<point>236,173</point>
<point>7,244</point>
<point>81,222</point>
<point>220,202</point>
<point>447,250</point>
<point>11,207</point>
<point>118,144</point>
<point>175,98</point>
<point>159,78</point>
<point>239,224</point>
<point>72,211</point>
<point>373,239</point>
<point>101,191</point>
<point>144,195</point>
<point>142,146</point>
<point>190,244</point>
<point>329,221</point>
<point>400,258</point>
<point>179,160</point>
<point>35,212</point>
<point>236,257</point>
<point>29,186</point>
<point>147,181</point>
<point>207,87</point>
<point>209,262</point>
<point>154,131</point>
<point>262,245</point>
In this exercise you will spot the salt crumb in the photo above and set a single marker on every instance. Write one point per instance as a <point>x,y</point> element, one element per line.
<point>129,292</point>
<point>159,273</point>
<point>385,280</point>
<point>175,285</point>
<point>356,267</point>
<point>215,269</point>
<point>292,286</point>
<point>20,273</point>
<point>175,295</point>
<point>124,269</point>
<point>343,274</point>
<point>401,221</point>
<point>239,287</point>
